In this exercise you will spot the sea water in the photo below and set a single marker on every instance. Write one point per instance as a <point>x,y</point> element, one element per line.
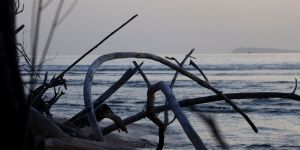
<point>278,120</point>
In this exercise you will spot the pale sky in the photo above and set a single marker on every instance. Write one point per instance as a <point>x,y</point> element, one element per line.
<point>172,26</point>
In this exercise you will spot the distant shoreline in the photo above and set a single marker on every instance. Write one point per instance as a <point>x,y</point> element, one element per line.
<point>248,50</point>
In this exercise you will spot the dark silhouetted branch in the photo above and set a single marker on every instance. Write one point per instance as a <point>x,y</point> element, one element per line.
<point>214,128</point>
<point>35,42</point>
<point>175,107</point>
<point>66,14</point>
<point>125,77</point>
<point>98,44</point>
<point>142,74</point>
<point>199,69</point>
<point>20,28</point>
<point>181,65</point>
<point>295,88</point>
<point>207,99</point>
<point>47,3</point>
<point>166,115</point>
<point>51,32</point>
<point>119,55</point>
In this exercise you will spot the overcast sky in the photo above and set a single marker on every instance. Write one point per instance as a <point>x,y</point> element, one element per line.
<point>172,26</point>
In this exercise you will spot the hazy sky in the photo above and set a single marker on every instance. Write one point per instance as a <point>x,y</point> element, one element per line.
<point>172,26</point>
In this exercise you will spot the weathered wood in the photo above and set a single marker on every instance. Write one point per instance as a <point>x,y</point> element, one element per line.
<point>142,74</point>
<point>206,99</point>
<point>43,126</point>
<point>119,55</point>
<point>295,88</point>
<point>97,104</point>
<point>175,107</point>
<point>181,66</point>
<point>40,91</point>
<point>166,115</point>
<point>199,69</point>
<point>89,106</point>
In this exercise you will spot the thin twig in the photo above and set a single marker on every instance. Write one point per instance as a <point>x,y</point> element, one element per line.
<point>166,115</point>
<point>173,58</point>
<point>142,74</point>
<point>97,104</point>
<point>214,128</point>
<point>35,42</point>
<point>19,28</point>
<point>295,88</point>
<point>51,32</point>
<point>199,69</point>
<point>66,14</point>
<point>103,40</point>
<point>47,3</point>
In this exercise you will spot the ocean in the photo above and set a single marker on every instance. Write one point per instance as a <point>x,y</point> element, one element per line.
<point>278,120</point>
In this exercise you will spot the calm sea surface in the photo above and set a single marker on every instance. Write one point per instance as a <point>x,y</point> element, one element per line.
<point>278,120</point>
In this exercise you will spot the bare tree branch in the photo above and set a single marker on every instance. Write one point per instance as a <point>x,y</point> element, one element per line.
<point>119,55</point>
<point>97,104</point>
<point>35,41</point>
<point>295,88</point>
<point>20,28</point>
<point>166,115</point>
<point>66,14</point>
<point>199,69</point>
<point>142,74</point>
<point>46,4</point>
<point>206,99</point>
<point>174,105</point>
<point>51,32</point>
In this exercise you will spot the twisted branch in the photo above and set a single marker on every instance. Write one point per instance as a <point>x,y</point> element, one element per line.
<point>119,55</point>
<point>206,99</point>
<point>184,122</point>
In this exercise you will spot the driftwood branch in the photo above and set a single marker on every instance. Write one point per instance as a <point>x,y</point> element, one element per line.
<point>119,55</point>
<point>89,106</point>
<point>98,44</point>
<point>181,65</point>
<point>166,115</point>
<point>97,104</point>
<point>39,92</point>
<point>295,88</point>
<point>20,28</point>
<point>174,105</point>
<point>206,99</point>
<point>199,69</point>
<point>142,74</point>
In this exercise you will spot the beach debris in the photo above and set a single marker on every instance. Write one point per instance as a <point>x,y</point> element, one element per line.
<point>96,110</point>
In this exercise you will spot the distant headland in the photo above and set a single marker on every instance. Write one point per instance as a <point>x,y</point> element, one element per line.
<point>262,50</point>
